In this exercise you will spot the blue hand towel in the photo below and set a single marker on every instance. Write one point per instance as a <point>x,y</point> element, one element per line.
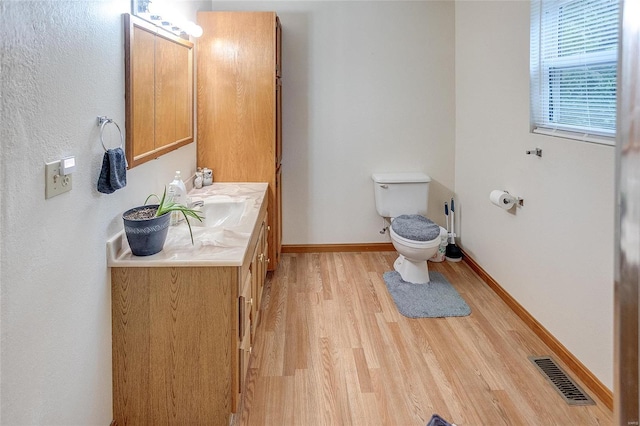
<point>113,174</point>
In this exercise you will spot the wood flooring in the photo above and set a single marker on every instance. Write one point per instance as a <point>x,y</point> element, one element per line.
<point>332,349</point>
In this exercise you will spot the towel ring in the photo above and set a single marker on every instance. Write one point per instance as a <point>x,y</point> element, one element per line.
<point>102,122</point>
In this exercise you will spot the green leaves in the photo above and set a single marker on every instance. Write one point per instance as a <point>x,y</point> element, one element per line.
<point>166,205</point>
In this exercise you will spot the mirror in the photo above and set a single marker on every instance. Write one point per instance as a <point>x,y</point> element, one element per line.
<point>158,91</point>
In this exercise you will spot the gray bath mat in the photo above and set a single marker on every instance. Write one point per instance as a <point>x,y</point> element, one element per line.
<point>434,300</point>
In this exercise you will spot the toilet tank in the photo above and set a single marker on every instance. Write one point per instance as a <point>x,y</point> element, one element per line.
<point>401,193</point>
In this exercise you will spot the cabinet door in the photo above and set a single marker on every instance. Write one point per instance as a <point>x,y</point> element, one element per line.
<point>255,278</point>
<point>278,121</point>
<point>277,232</point>
<point>142,94</point>
<point>165,94</point>
<point>172,355</point>
<point>173,93</point>
<point>244,353</point>
<point>278,47</point>
<point>184,96</point>
<point>244,330</point>
<point>264,261</point>
<point>236,95</point>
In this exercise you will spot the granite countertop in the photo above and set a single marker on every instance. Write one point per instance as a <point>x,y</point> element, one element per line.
<point>223,245</point>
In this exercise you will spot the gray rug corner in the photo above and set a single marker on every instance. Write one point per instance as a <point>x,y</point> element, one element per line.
<point>438,299</point>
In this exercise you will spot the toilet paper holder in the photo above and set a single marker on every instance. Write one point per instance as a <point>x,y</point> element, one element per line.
<point>518,201</point>
<point>537,151</point>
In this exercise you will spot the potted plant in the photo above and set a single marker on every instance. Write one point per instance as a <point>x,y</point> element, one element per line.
<point>146,226</point>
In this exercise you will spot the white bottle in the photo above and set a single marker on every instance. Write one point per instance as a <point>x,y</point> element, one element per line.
<point>177,193</point>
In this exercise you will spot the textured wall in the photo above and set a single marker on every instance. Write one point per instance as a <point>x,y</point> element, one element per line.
<point>554,255</point>
<point>62,66</point>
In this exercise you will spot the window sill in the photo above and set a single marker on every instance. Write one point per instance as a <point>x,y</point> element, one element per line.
<point>585,137</point>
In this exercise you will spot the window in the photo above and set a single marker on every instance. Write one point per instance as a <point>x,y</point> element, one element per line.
<point>574,49</point>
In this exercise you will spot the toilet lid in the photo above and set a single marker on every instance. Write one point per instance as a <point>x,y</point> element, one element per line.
<point>415,227</point>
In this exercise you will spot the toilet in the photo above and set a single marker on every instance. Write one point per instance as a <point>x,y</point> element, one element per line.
<point>402,199</point>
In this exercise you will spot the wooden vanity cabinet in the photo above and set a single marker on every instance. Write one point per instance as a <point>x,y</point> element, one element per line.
<point>182,338</point>
<point>240,105</point>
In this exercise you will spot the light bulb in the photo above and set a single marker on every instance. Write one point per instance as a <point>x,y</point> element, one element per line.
<point>196,31</point>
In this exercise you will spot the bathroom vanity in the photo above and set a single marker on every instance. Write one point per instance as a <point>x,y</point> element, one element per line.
<point>184,319</point>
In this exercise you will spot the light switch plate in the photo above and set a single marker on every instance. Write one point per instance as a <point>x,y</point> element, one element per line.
<point>54,183</point>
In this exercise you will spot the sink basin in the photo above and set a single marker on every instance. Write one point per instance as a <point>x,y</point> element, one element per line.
<point>221,210</point>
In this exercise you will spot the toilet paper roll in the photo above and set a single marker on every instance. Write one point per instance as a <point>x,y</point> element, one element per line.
<point>502,199</point>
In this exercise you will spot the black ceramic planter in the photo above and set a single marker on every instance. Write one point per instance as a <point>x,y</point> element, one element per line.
<point>146,236</point>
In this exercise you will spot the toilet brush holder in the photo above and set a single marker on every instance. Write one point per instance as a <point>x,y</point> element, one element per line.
<point>453,252</point>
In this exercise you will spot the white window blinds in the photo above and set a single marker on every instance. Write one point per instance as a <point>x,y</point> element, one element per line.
<point>574,66</point>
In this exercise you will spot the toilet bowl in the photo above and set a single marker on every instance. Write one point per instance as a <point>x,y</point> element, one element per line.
<point>416,239</point>
<point>403,197</point>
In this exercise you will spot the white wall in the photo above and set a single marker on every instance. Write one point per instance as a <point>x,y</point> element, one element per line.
<point>62,66</point>
<point>367,87</point>
<point>555,254</point>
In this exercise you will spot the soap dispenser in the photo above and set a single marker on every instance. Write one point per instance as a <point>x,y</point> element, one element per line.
<point>177,193</point>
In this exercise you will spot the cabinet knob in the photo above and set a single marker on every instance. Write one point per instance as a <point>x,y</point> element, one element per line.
<point>261,257</point>
<point>268,228</point>
<point>251,301</point>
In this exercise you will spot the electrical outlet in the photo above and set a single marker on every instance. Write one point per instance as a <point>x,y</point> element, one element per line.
<point>55,184</point>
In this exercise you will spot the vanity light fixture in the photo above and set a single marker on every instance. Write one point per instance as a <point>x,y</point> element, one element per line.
<point>179,27</point>
<point>161,15</point>
<point>194,29</point>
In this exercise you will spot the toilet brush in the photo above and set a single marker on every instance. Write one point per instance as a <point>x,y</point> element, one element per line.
<point>446,216</point>
<point>453,253</point>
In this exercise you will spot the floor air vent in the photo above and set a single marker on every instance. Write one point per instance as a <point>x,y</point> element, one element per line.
<point>566,387</point>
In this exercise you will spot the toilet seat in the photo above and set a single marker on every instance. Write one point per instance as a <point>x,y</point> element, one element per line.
<point>416,239</point>
<point>415,231</point>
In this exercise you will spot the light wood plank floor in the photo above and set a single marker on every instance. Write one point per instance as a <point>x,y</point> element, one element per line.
<point>332,349</point>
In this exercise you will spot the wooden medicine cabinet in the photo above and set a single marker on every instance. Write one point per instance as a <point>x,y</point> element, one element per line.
<point>158,91</point>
